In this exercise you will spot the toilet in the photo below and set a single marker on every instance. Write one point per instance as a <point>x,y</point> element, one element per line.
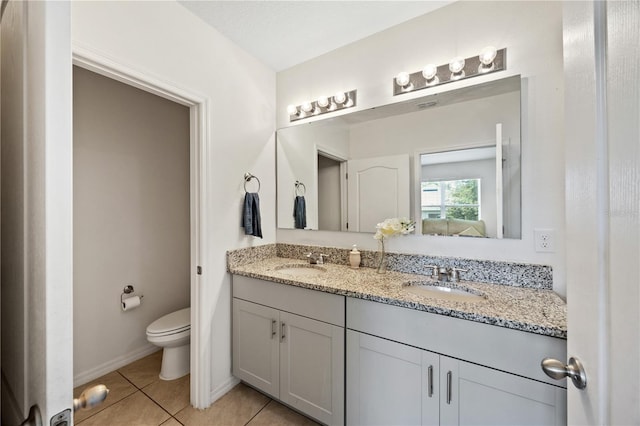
<point>172,332</point>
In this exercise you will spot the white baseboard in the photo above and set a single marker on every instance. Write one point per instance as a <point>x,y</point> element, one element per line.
<point>222,389</point>
<point>80,378</point>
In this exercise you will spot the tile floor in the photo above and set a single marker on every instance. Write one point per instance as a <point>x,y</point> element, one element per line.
<point>138,397</point>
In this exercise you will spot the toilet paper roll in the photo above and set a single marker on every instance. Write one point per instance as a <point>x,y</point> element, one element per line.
<point>131,303</point>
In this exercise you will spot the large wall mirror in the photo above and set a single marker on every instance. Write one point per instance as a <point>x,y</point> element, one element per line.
<point>449,161</point>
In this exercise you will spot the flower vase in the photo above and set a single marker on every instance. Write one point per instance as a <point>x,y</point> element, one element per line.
<point>382,258</point>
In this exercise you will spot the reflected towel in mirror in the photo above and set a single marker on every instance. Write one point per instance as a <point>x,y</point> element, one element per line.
<point>251,215</point>
<point>300,212</point>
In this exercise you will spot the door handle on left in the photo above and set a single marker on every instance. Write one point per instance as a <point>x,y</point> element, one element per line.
<point>557,370</point>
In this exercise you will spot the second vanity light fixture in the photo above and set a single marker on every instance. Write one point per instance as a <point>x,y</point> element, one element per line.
<point>490,60</point>
<point>322,105</point>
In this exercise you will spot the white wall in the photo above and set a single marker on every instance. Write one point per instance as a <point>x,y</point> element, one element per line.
<point>131,218</point>
<point>532,34</point>
<point>166,41</point>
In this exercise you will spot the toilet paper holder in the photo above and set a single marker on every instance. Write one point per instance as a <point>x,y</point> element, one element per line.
<point>128,289</point>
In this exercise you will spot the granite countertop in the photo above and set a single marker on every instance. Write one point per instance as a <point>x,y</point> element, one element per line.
<point>526,309</point>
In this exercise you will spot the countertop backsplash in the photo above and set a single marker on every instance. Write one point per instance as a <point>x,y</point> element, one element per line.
<point>483,271</point>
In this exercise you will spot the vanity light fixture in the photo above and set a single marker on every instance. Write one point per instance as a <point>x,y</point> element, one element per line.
<point>324,104</point>
<point>340,98</point>
<point>430,73</point>
<point>306,107</point>
<point>403,80</point>
<point>293,110</point>
<point>456,66</point>
<point>488,61</point>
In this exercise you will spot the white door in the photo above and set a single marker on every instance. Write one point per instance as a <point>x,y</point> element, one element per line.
<point>378,189</point>
<point>312,367</point>
<point>37,255</point>
<point>602,113</point>
<point>255,346</point>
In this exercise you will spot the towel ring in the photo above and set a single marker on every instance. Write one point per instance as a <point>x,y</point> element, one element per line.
<point>299,184</point>
<point>247,178</point>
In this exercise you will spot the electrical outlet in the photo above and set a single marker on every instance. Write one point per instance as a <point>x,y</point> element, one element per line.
<point>545,240</point>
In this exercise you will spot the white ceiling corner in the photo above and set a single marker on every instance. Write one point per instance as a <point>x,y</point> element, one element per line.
<point>285,33</point>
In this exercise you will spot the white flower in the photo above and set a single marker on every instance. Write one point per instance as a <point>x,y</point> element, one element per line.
<point>394,226</point>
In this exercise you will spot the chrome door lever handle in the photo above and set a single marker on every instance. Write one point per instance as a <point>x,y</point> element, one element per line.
<point>558,371</point>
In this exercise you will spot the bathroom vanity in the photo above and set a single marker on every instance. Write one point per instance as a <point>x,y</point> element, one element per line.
<point>344,345</point>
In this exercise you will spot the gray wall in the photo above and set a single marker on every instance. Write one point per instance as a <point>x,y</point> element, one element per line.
<point>131,218</point>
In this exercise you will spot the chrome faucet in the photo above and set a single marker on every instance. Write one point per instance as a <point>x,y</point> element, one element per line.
<point>316,258</point>
<point>444,274</point>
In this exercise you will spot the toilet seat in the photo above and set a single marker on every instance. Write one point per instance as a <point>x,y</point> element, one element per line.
<point>173,323</point>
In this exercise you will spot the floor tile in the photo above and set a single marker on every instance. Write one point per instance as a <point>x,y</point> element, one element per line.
<point>119,388</point>
<point>172,395</point>
<point>171,422</point>
<point>136,409</point>
<point>276,414</point>
<point>237,407</point>
<point>144,371</point>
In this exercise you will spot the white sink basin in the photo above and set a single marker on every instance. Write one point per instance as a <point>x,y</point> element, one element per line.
<point>433,290</point>
<point>301,270</point>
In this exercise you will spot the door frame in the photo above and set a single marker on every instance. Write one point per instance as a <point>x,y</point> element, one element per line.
<point>199,204</point>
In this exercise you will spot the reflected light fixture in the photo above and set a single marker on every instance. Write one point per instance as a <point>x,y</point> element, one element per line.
<point>322,105</point>
<point>488,61</point>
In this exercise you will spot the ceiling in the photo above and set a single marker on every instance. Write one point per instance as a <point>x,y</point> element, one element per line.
<point>285,33</point>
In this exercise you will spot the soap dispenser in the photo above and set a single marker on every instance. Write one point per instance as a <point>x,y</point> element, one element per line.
<point>354,257</point>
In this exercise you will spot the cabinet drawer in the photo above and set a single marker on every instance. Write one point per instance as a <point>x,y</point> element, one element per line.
<point>501,348</point>
<point>314,304</point>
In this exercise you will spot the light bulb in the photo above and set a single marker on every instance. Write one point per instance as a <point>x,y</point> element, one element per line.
<point>292,110</point>
<point>429,71</point>
<point>488,55</point>
<point>456,65</point>
<point>306,106</point>
<point>403,79</point>
<point>340,97</point>
<point>323,101</point>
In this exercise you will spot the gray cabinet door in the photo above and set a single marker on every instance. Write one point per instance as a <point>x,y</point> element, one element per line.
<point>389,383</point>
<point>474,395</point>
<point>312,367</point>
<point>255,346</point>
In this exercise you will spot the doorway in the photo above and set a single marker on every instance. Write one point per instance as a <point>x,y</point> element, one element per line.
<point>131,219</point>
<point>198,165</point>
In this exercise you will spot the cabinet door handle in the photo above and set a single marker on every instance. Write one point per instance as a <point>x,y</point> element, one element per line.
<point>282,326</point>
<point>430,380</point>
<point>449,387</point>
<point>273,328</point>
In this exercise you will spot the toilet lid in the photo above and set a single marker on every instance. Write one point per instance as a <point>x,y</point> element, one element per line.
<point>171,323</point>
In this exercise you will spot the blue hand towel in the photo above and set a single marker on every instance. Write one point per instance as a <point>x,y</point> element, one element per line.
<point>300,212</point>
<point>251,215</point>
